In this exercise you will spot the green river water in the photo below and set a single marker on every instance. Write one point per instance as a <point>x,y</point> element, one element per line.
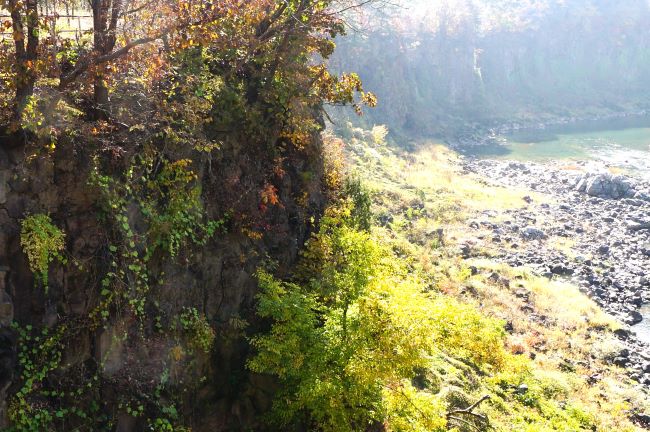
<point>620,143</point>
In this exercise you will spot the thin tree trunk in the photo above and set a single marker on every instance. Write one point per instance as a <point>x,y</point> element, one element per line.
<point>100,98</point>
<point>26,55</point>
<point>105,36</point>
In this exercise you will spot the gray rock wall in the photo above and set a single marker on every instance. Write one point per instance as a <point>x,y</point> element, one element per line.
<point>218,280</point>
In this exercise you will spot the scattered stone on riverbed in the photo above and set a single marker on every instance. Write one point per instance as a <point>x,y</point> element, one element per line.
<point>605,220</point>
<point>634,317</point>
<point>643,419</point>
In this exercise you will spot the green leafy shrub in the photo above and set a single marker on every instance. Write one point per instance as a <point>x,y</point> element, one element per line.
<point>350,335</point>
<point>339,341</point>
<point>43,243</point>
<point>172,205</point>
<point>379,134</point>
<point>359,196</point>
<point>201,334</point>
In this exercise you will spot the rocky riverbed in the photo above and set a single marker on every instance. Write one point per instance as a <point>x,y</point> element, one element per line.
<point>583,224</point>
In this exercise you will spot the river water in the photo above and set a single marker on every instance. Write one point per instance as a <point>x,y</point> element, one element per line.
<point>619,143</point>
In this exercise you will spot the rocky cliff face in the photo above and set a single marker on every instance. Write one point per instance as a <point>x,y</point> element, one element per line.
<point>128,357</point>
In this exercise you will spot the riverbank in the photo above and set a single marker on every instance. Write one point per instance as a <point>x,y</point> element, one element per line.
<point>591,229</point>
<point>469,232</point>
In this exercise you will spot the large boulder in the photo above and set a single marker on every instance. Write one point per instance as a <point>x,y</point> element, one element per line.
<point>606,185</point>
<point>532,233</point>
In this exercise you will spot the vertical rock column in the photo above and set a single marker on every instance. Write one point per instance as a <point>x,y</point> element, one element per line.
<point>7,343</point>
<point>6,305</point>
<point>7,339</point>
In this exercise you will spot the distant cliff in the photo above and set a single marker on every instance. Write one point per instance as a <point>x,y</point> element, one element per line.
<point>459,63</point>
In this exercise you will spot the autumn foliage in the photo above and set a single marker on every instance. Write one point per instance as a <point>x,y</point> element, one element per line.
<point>273,43</point>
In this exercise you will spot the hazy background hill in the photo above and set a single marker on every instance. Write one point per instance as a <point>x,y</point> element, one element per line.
<point>442,67</point>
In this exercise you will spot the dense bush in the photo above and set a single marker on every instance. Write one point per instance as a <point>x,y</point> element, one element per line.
<point>349,335</point>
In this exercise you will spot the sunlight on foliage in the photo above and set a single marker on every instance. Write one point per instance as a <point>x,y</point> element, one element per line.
<point>43,243</point>
<point>350,332</point>
<point>538,373</point>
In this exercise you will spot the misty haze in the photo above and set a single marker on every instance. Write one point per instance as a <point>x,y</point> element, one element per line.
<point>324,215</point>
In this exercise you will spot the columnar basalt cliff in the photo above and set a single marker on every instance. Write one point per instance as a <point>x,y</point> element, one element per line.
<point>127,356</point>
<point>146,176</point>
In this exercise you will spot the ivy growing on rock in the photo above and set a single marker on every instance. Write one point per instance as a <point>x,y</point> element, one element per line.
<point>43,243</point>
<point>200,333</point>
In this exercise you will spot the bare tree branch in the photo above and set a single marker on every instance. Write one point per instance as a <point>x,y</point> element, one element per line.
<point>471,408</point>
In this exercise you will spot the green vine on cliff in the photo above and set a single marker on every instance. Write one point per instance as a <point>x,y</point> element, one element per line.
<point>127,277</point>
<point>168,200</point>
<point>43,242</point>
<point>201,335</point>
<point>173,208</point>
<point>38,355</point>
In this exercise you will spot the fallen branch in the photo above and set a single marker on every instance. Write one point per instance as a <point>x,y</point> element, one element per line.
<point>453,415</point>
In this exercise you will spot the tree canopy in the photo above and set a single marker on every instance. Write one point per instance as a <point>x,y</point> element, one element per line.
<point>273,43</point>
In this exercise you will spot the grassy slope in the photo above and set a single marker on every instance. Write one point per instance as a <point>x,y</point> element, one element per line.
<point>558,336</point>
